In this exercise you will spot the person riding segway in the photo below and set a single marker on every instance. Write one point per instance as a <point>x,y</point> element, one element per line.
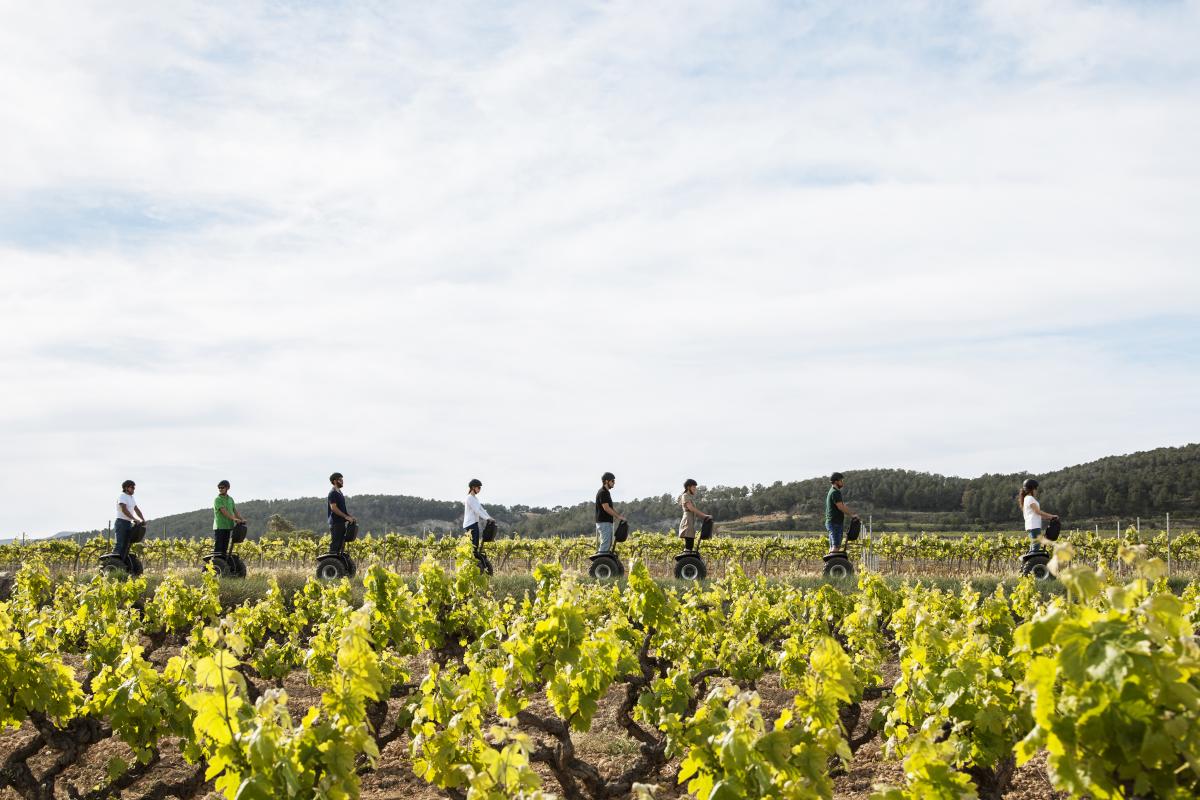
<point>229,528</point>
<point>474,514</point>
<point>689,565</point>
<point>837,563</point>
<point>1037,561</point>
<point>129,529</point>
<point>343,528</point>
<point>605,563</point>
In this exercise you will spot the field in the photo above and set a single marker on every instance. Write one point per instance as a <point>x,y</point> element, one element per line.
<point>446,683</point>
<point>775,554</point>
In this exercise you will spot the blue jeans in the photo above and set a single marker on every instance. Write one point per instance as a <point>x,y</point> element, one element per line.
<point>474,529</point>
<point>1034,545</point>
<point>605,530</point>
<point>121,529</point>
<point>835,535</point>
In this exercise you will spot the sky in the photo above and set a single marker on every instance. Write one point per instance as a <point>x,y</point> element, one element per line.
<point>530,242</point>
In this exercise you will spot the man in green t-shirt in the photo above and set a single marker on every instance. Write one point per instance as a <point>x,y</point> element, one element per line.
<point>225,516</point>
<point>836,511</point>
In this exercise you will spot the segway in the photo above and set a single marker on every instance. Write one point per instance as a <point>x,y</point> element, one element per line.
<point>689,566</point>
<point>128,563</point>
<point>837,563</point>
<point>607,566</point>
<point>488,534</point>
<point>229,563</point>
<point>1037,563</point>
<point>332,566</point>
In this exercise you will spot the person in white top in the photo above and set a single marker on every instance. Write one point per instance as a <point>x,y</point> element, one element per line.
<point>1034,515</point>
<point>474,512</point>
<point>128,515</point>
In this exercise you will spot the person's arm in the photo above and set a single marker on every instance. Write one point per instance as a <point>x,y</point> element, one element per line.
<point>337,512</point>
<point>845,509</point>
<point>138,511</point>
<point>694,510</point>
<point>125,509</point>
<point>608,509</point>
<point>1043,514</point>
<point>227,515</point>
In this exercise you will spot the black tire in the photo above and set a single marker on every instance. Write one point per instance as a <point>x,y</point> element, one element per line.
<point>605,567</point>
<point>1038,566</point>
<point>330,568</point>
<point>239,566</point>
<point>111,566</point>
<point>351,566</point>
<point>219,565</point>
<point>485,566</point>
<point>135,565</point>
<point>838,568</point>
<point>690,567</point>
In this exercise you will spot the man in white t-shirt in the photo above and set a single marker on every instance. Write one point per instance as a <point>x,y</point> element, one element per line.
<point>128,515</point>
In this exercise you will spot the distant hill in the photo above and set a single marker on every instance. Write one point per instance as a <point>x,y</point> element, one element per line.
<point>1143,484</point>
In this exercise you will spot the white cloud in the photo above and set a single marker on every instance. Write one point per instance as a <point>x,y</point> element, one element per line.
<point>741,243</point>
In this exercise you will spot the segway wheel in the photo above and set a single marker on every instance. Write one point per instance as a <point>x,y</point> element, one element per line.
<point>1037,565</point>
<point>351,567</point>
<point>330,568</point>
<point>239,566</point>
<point>837,566</point>
<point>605,567</point>
<point>112,567</point>
<point>135,565</point>
<point>220,566</point>
<point>485,566</point>
<point>690,567</point>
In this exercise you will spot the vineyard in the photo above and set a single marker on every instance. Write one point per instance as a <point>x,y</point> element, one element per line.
<point>736,688</point>
<point>889,554</point>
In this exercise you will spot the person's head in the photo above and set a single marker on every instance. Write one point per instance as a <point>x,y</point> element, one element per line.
<point>337,480</point>
<point>1029,487</point>
<point>689,486</point>
<point>837,479</point>
<point>223,488</point>
<point>475,486</point>
<point>128,486</point>
<point>608,480</point>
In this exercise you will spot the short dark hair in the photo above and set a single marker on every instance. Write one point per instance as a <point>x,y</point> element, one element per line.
<point>127,484</point>
<point>689,482</point>
<point>223,483</point>
<point>335,476</point>
<point>835,477</point>
<point>608,476</point>
<point>475,482</point>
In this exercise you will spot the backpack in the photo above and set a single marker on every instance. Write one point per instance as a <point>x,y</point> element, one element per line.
<point>854,530</point>
<point>489,531</point>
<point>706,529</point>
<point>621,533</point>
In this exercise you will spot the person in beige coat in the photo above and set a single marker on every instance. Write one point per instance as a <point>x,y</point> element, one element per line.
<point>687,524</point>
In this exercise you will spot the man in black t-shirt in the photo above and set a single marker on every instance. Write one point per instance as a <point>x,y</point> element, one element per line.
<point>605,513</point>
<point>338,515</point>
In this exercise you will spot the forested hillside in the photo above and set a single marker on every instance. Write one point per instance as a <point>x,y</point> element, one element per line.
<point>1142,484</point>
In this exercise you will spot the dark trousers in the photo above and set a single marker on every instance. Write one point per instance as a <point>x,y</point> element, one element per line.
<point>221,543</point>
<point>337,535</point>
<point>121,528</point>
<point>689,543</point>
<point>474,529</point>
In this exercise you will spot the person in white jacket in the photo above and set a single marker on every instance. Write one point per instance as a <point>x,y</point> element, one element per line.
<point>474,513</point>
